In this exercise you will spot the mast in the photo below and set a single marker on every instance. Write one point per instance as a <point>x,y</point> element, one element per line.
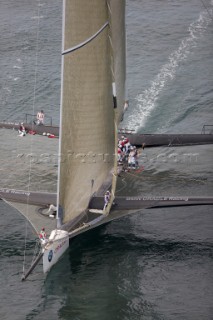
<point>58,215</point>
<point>117,36</point>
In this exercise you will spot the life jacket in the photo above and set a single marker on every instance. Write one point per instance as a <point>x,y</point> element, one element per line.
<point>51,136</point>
<point>42,235</point>
<point>107,198</point>
<point>40,116</point>
<point>22,128</point>
<point>32,132</point>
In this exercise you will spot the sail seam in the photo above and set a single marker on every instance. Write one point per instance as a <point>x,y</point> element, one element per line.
<point>82,44</point>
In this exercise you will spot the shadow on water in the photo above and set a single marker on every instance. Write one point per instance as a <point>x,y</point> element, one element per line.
<point>97,267</point>
<point>89,272</point>
<point>99,242</point>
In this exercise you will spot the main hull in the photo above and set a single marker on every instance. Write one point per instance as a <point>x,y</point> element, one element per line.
<point>57,244</point>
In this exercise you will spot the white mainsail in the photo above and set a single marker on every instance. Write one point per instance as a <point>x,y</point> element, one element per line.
<point>88,116</point>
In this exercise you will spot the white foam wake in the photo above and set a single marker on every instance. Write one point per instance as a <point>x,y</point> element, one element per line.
<point>147,99</point>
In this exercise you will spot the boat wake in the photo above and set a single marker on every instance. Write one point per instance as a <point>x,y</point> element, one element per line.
<point>147,101</point>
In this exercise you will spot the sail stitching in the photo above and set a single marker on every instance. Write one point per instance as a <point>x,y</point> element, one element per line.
<point>82,44</point>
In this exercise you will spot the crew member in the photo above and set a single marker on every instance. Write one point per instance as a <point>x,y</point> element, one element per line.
<point>52,210</point>
<point>40,117</point>
<point>132,159</point>
<point>43,236</point>
<point>107,197</point>
<point>22,130</point>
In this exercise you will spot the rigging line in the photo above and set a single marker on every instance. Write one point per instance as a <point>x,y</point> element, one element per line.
<point>31,138</point>
<point>82,44</point>
<point>36,250</point>
<point>134,175</point>
<point>8,82</point>
<point>124,185</point>
<point>207,9</point>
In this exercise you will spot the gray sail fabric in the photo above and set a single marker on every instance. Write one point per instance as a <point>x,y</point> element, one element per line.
<point>87,136</point>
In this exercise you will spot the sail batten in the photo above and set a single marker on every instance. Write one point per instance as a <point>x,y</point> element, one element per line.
<point>80,45</point>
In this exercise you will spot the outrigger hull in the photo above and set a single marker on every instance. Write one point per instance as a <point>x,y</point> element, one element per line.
<point>146,140</point>
<point>37,129</point>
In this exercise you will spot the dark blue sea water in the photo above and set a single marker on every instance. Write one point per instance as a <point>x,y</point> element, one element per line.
<point>157,264</point>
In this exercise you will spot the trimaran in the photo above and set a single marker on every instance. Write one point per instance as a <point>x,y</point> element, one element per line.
<point>92,100</point>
